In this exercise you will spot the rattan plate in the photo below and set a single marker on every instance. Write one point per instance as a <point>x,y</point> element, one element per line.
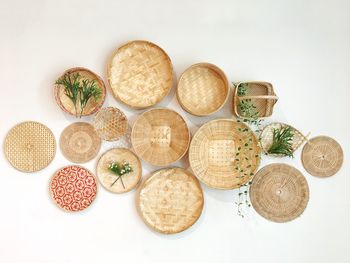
<point>30,146</point>
<point>140,74</point>
<point>160,136</point>
<point>322,156</point>
<point>110,181</point>
<point>279,193</point>
<point>218,152</point>
<point>170,201</point>
<point>202,89</point>
<point>79,142</point>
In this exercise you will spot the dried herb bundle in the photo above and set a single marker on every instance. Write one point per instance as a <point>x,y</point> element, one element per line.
<point>282,141</point>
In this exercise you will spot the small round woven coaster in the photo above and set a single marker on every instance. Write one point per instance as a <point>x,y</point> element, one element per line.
<point>279,193</point>
<point>73,188</point>
<point>322,156</point>
<point>171,200</point>
<point>113,182</point>
<point>79,142</point>
<point>110,124</point>
<point>30,146</point>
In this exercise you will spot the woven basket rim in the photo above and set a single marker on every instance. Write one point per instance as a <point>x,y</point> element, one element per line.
<point>109,65</point>
<point>217,70</point>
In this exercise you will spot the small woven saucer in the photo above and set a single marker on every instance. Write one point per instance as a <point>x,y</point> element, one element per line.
<point>73,188</point>
<point>110,124</point>
<point>202,89</point>
<point>279,193</point>
<point>170,201</point>
<point>92,106</point>
<point>140,74</point>
<point>109,180</point>
<point>79,142</point>
<point>322,156</point>
<point>30,146</point>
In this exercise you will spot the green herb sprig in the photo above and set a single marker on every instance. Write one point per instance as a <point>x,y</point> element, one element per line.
<point>120,170</point>
<point>282,141</point>
<point>247,107</point>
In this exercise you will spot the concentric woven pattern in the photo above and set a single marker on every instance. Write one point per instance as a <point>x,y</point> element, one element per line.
<point>322,156</point>
<point>220,150</point>
<point>140,74</point>
<point>202,89</point>
<point>73,188</point>
<point>266,136</point>
<point>79,142</point>
<point>112,182</point>
<point>171,200</point>
<point>110,124</point>
<point>30,146</point>
<point>279,193</point>
<point>92,106</point>
<point>160,136</point>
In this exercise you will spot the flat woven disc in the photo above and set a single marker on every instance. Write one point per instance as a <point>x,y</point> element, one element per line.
<point>171,200</point>
<point>112,182</point>
<point>279,192</point>
<point>79,142</point>
<point>140,74</point>
<point>322,156</point>
<point>110,124</point>
<point>30,146</point>
<point>73,188</point>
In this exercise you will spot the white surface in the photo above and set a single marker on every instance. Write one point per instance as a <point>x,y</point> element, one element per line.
<point>302,47</point>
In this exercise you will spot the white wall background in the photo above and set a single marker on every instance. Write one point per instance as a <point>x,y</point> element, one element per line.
<point>302,47</point>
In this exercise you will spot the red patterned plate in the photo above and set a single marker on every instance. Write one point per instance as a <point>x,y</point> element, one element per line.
<point>73,188</point>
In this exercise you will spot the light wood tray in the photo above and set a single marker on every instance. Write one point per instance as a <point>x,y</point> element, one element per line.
<point>170,201</point>
<point>202,89</point>
<point>140,74</point>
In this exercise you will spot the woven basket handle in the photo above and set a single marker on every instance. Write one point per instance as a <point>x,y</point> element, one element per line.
<point>269,97</point>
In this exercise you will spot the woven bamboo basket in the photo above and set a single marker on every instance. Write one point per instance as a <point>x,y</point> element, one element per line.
<point>218,151</point>
<point>140,74</point>
<point>160,136</point>
<point>262,96</point>
<point>170,200</point>
<point>202,89</point>
<point>110,123</point>
<point>67,105</point>
<point>266,137</point>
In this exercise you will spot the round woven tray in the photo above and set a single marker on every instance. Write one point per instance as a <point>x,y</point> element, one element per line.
<point>92,106</point>
<point>160,136</point>
<point>79,142</point>
<point>110,124</point>
<point>202,89</point>
<point>279,193</point>
<point>218,153</point>
<point>30,146</point>
<point>109,180</point>
<point>322,156</point>
<point>140,74</point>
<point>73,188</point>
<point>170,201</point>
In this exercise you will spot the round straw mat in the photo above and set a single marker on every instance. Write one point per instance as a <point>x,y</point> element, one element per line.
<point>322,156</point>
<point>220,149</point>
<point>110,124</point>
<point>30,146</point>
<point>171,200</point>
<point>279,193</point>
<point>92,106</point>
<point>73,188</point>
<point>112,182</point>
<point>202,89</point>
<point>140,74</point>
<point>160,136</point>
<point>79,142</point>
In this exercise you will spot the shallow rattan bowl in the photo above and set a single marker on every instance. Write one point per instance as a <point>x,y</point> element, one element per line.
<point>220,150</point>
<point>202,89</point>
<point>67,105</point>
<point>160,136</point>
<point>140,74</point>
